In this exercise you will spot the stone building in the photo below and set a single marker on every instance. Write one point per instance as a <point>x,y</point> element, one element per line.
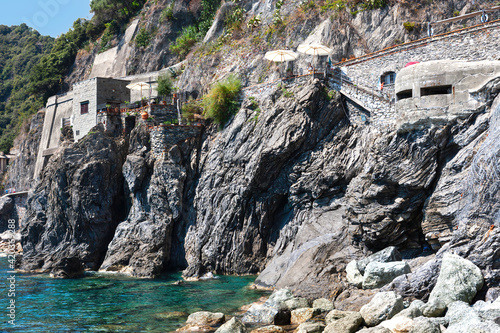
<point>92,95</point>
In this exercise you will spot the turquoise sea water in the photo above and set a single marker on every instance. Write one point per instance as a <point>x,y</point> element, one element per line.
<point>115,303</point>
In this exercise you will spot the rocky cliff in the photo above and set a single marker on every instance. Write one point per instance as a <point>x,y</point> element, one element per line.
<point>74,209</point>
<point>22,168</point>
<point>294,192</point>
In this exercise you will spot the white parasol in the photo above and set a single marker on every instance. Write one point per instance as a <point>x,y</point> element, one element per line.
<point>314,49</point>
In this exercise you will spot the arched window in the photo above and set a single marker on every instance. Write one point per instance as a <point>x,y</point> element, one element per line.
<point>388,78</point>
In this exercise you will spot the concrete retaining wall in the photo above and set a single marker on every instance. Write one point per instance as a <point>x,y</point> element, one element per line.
<point>58,107</point>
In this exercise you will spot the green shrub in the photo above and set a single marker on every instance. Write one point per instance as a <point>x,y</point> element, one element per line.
<point>190,109</point>
<point>409,26</point>
<point>254,105</point>
<point>254,22</point>
<point>143,38</point>
<point>207,15</point>
<point>308,5</point>
<point>165,85</point>
<point>221,102</point>
<point>185,42</point>
<point>287,93</point>
<point>335,5</point>
<point>167,13</point>
<point>234,20</point>
<point>374,4</point>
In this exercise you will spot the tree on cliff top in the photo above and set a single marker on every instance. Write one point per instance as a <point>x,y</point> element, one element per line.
<point>21,48</point>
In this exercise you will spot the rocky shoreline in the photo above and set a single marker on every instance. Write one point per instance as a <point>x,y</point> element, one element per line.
<point>5,241</point>
<point>457,303</point>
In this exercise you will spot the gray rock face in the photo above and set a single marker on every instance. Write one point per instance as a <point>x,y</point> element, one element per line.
<point>22,168</point>
<point>234,325</point>
<point>75,208</point>
<point>459,280</point>
<point>6,207</point>
<point>254,209</point>
<point>218,25</point>
<point>383,306</point>
<point>463,318</point>
<point>142,243</point>
<point>378,274</point>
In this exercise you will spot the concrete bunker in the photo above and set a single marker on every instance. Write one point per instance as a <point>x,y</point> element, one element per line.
<point>435,92</point>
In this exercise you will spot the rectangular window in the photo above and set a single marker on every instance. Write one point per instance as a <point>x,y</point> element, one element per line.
<point>438,90</point>
<point>404,94</point>
<point>390,78</point>
<point>84,107</point>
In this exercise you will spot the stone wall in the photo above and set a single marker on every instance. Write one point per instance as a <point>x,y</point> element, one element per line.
<point>163,113</point>
<point>165,136</point>
<point>85,91</point>
<point>96,91</point>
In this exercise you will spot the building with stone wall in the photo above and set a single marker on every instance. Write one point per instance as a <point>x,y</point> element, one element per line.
<point>361,78</point>
<point>165,136</point>
<point>94,94</point>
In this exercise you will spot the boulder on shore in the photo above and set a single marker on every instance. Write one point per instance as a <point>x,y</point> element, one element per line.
<point>206,318</point>
<point>273,311</point>
<point>383,306</point>
<point>323,304</point>
<point>269,329</point>
<point>386,255</point>
<point>458,280</point>
<point>310,327</point>
<point>232,326</point>
<point>378,274</point>
<point>343,321</point>
<point>298,316</point>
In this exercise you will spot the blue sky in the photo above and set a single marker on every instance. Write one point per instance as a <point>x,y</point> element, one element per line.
<point>49,17</point>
